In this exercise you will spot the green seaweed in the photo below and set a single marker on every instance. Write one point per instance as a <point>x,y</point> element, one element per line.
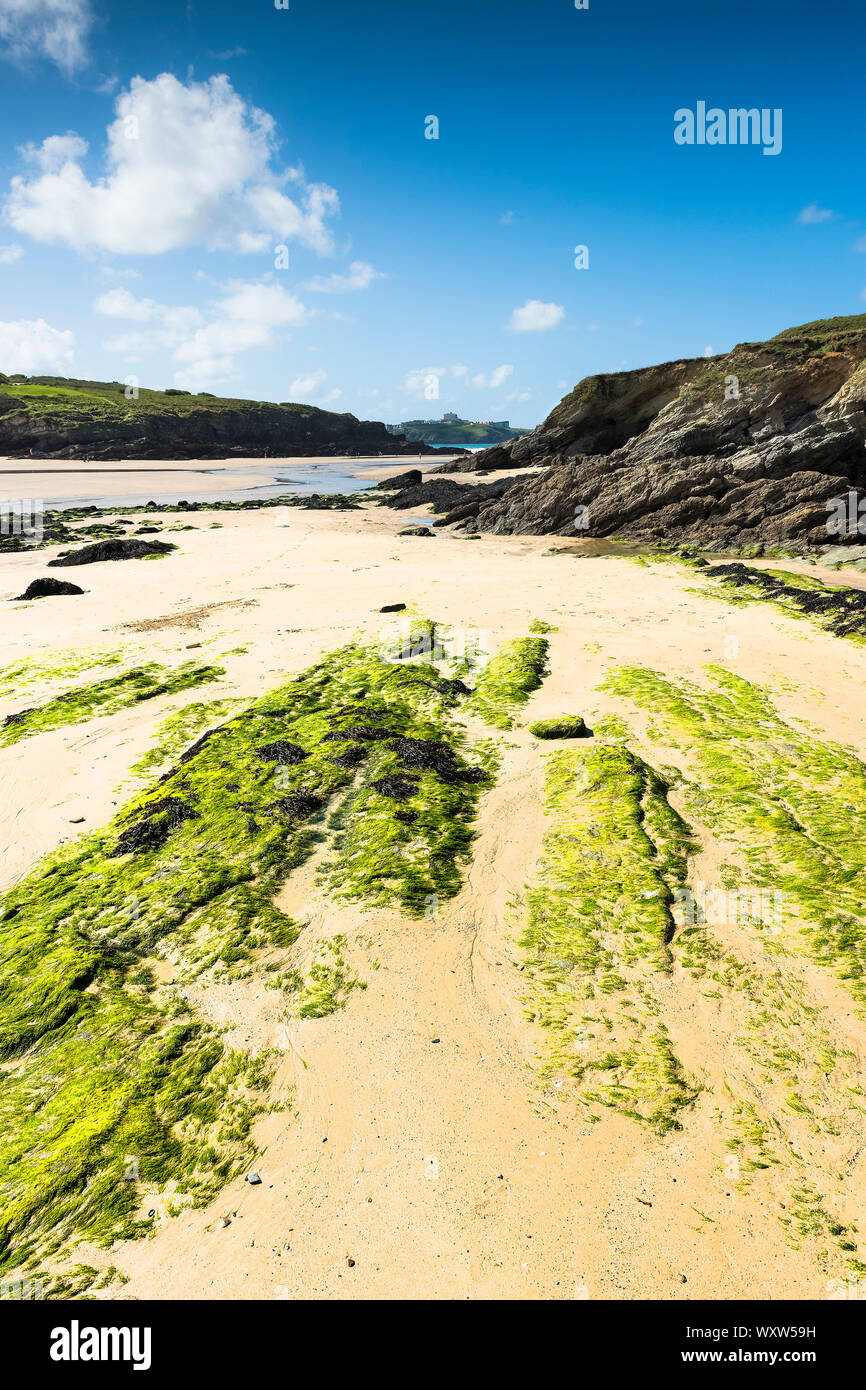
<point>600,923</point>
<point>106,697</point>
<point>794,806</point>
<point>179,729</point>
<point>508,680</point>
<point>103,1069</point>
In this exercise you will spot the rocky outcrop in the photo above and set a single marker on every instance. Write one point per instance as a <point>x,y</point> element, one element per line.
<point>755,447</point>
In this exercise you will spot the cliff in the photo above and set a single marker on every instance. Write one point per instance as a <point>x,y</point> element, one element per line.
<point>58,417</point>
<point>753,446</point>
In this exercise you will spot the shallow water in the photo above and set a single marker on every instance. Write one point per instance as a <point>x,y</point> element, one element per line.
<point>275,479</point>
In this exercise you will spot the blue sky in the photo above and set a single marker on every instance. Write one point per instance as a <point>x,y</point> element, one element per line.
<point>153,159</point>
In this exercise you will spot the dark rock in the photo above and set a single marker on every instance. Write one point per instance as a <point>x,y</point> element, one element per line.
<point>154,827</point>
<point>282,752</point>
<point>196,747</point>
<point>365,733</point>
<point>412,478</point>
<point>393,608</point>
<point>452,687</point>
<point>18,717</point>
<point>398,788</point>
<point>112,550</point>
<point>415,531</point>
<point>352,757</point>
<point>300,805</point>
<point>444,495</point>
<point>429,755</point>
<point>46,588</point>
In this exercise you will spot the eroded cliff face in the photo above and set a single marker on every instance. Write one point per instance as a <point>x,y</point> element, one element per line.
<point>751,447</point>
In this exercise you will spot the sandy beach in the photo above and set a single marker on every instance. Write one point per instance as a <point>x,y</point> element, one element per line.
<point>424,1151</point>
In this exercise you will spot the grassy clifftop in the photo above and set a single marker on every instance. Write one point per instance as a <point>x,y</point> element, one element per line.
<point>68,417</point>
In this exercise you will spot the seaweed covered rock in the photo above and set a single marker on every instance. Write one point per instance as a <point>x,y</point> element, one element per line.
<point>570,726</point>
<point>842,610</point>
<point>112,550</point>
<point>367,733</point>
<point>353,757</point>
<point>415,531</point>
<point>48,588</point>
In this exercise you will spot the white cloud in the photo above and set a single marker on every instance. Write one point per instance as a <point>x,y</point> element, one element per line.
<point>519,396</point>
<point>497,378</point>
<point>29,346</point>
<point>185,165</point>
<point>121,304</point>
<point>53,29</point>
<point>10,253</point>
<point>507,219</point>
<point>424,382</point>
<point>536,317</point>
<point>246,316</point>
<point>304,385</point>
<point>860,245</point>
<point>307,388</point>
<point>812,213</point>
<point>361,275</point>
